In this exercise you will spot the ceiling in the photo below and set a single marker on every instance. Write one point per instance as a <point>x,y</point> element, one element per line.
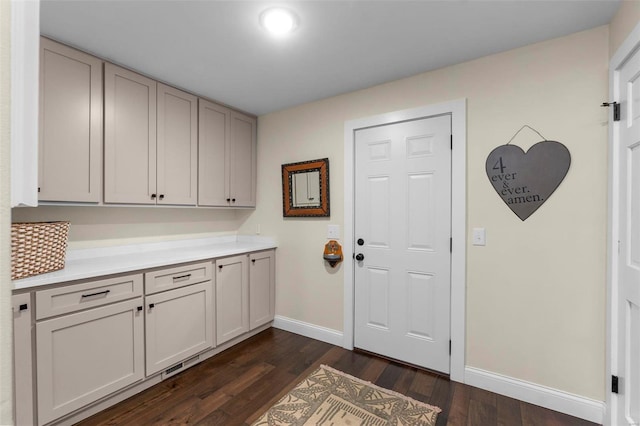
<point>218,49</point>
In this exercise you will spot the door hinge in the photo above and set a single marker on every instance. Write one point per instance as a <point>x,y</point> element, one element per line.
<point>449,346</point>
<point>616,109</point>
<point>614,384</point>
<point>450,244</point>
<point>452,142</point>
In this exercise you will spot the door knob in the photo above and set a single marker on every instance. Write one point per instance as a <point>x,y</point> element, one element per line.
<point>359,257</point>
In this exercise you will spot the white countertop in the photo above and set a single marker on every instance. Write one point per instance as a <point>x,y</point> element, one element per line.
<point>98,262</point>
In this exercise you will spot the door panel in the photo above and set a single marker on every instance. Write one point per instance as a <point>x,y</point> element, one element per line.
<point>70,142</point>
<point>130,137</point>
<point>377,222</point>
<point>261,288</point>
<point>177,150</point>
<point>377,307</point>
<point>213,155</point>
<point>421,212</point>
<point>242,185</point>
<point>403,214</point>
<point>420,304</point>
<point>179,324</point>
<point>232,298</point>
<point>84,356</point>
<point>628,304</point>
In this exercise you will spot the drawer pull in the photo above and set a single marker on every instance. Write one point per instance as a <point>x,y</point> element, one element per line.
<point>181,277</point>
<point>24,307</point>
<point>152,305</point>
<point>97,294</point>
<point>139,308</point>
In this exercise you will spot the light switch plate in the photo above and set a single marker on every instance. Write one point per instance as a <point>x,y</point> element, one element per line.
<point>479,237</point>
<point>333,231</point>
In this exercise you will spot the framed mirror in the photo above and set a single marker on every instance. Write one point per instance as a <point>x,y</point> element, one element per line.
<point>305,189</point>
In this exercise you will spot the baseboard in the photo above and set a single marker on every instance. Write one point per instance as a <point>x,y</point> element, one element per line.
<point>308,330</point>
<point>553,399</point>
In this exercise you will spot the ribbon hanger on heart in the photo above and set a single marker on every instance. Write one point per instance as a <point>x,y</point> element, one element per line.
<point>521,129</point>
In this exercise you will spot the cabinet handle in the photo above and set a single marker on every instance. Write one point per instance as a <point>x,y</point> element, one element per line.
<point>253,261</point>
<point>153,196</point>
<point>23,307</point>
<point>161,196</point>
<point>139,308</point>
<point>228,199</point>
<point>233,200</point>
<point>182,276</point>
<point>220,266</point>
<point>97,294</point>
<point>151,305</point>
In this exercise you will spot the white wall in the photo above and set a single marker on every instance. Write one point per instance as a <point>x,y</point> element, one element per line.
<point>622,24</point>
<point>536,292</point>
<point>103,226</point>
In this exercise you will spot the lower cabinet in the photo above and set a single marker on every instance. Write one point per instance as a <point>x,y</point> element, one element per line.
<point>84,356</point>
<point>262,292</point>
<point>245,293</point>
<point>22,359</point>
<point>232,298</point>
<point>96,337</point>
<point>179,324</point>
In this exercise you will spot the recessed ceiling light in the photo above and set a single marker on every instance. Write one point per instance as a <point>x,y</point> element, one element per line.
<point>278,21</point>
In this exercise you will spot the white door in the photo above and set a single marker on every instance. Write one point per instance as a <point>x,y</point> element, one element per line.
<point>628,303</point>
<point>402,234</point>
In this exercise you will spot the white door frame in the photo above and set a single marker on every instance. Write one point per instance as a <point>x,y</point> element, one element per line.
<point>458,111</point>
<point>624,52</point>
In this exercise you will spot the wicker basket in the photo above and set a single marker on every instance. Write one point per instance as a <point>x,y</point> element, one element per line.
<point>37,248</point>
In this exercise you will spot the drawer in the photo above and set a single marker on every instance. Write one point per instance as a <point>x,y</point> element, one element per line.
<point>176,277</point>
<point>75,297</point>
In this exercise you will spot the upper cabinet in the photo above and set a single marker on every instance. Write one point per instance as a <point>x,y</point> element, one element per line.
<point>227,157</point>
<point>151,141</point>
<point>177,180</point>
<point>213,141</point>
<point>242,185</point>
<point>110,135</point>
<point>70,140</point>
<point>129,137</point>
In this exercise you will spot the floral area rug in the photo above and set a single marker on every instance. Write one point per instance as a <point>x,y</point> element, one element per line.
<point>330,397</point>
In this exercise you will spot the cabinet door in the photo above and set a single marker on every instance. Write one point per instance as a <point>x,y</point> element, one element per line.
<point>129,137</point>
<point>70,142</point>
<point>243,161</point>
<point>177,147</point>
<point>213,156</point>
<point>262,280</point>
<point>23,359</point>
<point>232,298</point>
<point>85,356</point>
<point>179,324</point>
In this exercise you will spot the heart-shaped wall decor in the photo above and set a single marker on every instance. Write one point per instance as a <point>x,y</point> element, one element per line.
<point>525,180</point>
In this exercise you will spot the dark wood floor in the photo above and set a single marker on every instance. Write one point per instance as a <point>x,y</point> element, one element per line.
<point>236,386</point>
